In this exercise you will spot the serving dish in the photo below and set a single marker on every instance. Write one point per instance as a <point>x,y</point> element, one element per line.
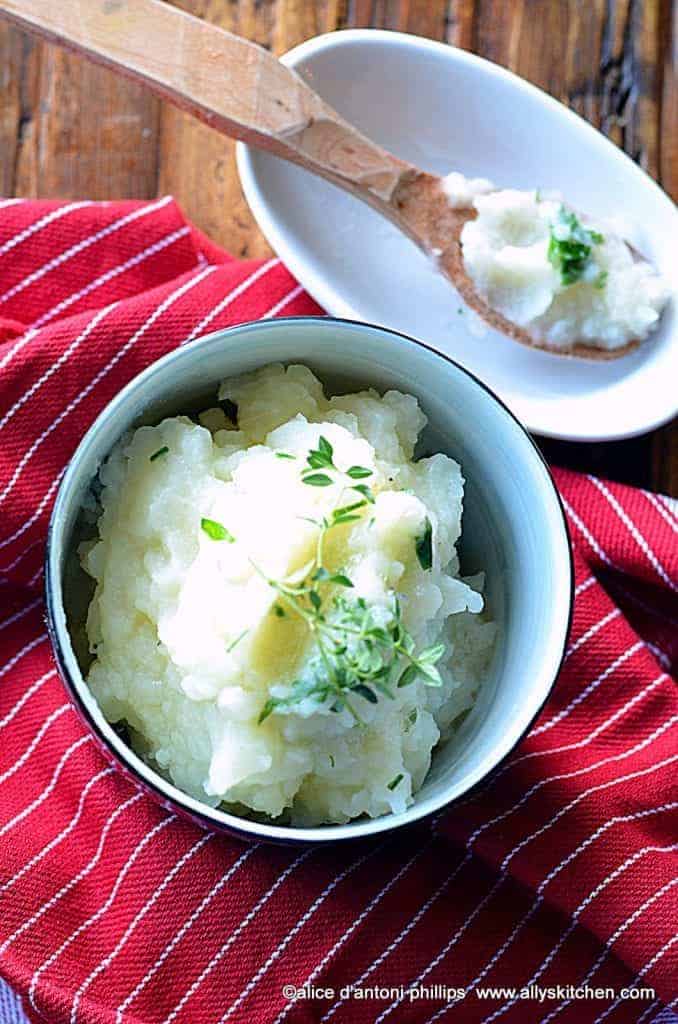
<point>445,109</point>
<point>514,528</point>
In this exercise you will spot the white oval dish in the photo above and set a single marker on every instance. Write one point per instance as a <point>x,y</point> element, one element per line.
<point>514,529</point>
<point>445,109</point>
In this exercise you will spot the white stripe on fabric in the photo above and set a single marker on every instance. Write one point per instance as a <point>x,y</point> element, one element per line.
<point>56,420</point>
<point>110,275</point>
<point>33,688</point>
<point>670,503</point>
<point>667,513</point>
<point>615,716</point>
<point>469,855</point>
<point>26,649</point>
<point>34,579</point>
<point>582,906</point>
<point>279,950</point>
<point>106,962</point>
<point>635,533</point>
<point>586,533</point>
<point>20,343</point>
<point>65,889</point>
<point>234,935</point>
<point>42,222</point>
<point>555,720</point>
<point>624,926</point>
<point>13,769</point>
<point>661,656</point>
<point>639,977</point>
<point>591,631</point>
<point>646,1013</point>
<point>584,585</point>
<point>27,523</point>
<point>186,926</point>
<point>80,246</point>
<point>157,312</point>
<point>20,614</point>
<point>13,564</point>
<point>129,863</point>
<point>49,789</point>
<point>588,690</point>
<point>60,836</point>
<point>65,355</point>
<point>355,924</point>
<point>281,303</point>
<point>230,298</point>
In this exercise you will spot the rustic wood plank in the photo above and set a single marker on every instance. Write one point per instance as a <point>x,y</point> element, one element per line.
<point>11,56</point>
<point>460,23</point>
<point>668,140</point>
<point>197,165</point>
<point>85,130</point>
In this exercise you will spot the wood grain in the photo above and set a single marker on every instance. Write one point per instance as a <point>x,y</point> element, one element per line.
<point>614,61</point>
<point>197,165</point>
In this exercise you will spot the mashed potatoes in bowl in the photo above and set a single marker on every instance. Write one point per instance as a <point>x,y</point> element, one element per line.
<point>279,617</point>
<point>259,597</point>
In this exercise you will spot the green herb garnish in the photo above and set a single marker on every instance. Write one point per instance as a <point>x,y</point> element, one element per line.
<point>322,458</point>
<point>361,650</point>
<point>216,531</point>
<point>156,455</point>
<point>424,546</point>
<point>570,246</point>
<point>601,280</point>
<point>279,611</point>
<point>360,653</point>
<point>395,782</point>
<point>284,455</point>
<point>318,480</point>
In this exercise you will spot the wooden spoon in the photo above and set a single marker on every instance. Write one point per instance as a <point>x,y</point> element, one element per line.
<point>245,92</point>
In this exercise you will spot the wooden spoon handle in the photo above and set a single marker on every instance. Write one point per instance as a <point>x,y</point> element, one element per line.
<point>236,87</point>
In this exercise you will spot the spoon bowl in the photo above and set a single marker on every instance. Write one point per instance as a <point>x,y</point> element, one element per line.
<point>440,108</point>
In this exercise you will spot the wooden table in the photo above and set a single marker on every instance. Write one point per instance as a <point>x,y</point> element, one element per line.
<point>70,129</point>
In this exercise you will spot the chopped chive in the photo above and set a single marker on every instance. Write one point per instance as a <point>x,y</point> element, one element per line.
<point>234,643</point>
<point>284,455</point>
<point>395,782</point>
<point>216,531</point>
<point>156,455</point>
<point>424,546</point>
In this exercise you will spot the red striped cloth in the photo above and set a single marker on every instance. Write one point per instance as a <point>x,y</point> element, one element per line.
<point>559,872</point>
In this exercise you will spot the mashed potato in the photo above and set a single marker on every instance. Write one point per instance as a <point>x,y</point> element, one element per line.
<point>511,252</point>
<point>207,535</point>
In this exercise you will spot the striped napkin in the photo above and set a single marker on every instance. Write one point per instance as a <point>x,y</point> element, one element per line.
<point>549,894</point>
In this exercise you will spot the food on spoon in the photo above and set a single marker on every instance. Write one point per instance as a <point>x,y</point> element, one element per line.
<point>568,285</point>
<point>278,614</point>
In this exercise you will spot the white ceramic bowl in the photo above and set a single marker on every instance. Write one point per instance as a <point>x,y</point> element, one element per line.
<point>513,528</point>
<point>445,109</point>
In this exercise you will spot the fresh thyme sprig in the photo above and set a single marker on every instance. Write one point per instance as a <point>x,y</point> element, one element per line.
<point>361,650</point>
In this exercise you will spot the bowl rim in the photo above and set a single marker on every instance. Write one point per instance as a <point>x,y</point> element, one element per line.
<point>166,792</point>
<point>322,290</point>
